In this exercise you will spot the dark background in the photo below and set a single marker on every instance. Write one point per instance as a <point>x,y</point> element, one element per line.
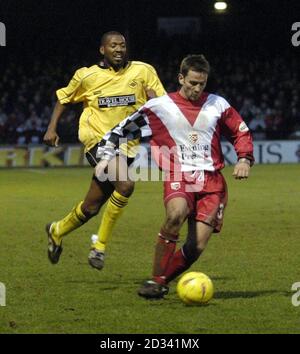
<point>254,64</point>
<point>52,28</point>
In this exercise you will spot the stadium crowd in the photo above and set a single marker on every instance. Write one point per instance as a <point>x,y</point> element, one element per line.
<point>265,91</point>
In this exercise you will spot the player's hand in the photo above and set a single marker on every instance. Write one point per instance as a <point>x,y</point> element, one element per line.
<point>100,152</point>
<point>51,138</point>
<point>100,169</point>
<point>107,151</point>
<point>241,169</point>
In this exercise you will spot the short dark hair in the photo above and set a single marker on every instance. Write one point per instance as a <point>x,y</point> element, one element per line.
<point>195,62</point>
<point>108,34</point>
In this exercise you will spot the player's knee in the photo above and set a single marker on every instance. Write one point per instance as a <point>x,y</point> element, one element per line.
<point>125,188</point>
<point>90,210</point>
<point>175,218</point>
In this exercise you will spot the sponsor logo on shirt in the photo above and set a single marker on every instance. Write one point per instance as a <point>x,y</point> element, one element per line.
<point>133,84</point>
<point>194,151</point>
<point>243,127</point>
<point>116,101</point>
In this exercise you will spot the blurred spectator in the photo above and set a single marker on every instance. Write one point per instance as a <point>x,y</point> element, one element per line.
<point>265,92</point>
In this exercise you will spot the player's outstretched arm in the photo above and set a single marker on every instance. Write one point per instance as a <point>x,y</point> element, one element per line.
<point>51,137</point>
<point>242,169</point>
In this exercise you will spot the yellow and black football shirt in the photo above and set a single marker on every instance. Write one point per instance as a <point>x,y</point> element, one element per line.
<point>108,96</point>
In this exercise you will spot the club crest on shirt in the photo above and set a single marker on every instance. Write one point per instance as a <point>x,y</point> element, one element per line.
<point>193,138</point>
<point>175,186</point>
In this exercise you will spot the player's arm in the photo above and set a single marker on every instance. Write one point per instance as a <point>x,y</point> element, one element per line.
<point>133,127</point>
<point>237,132</point>
<point>51,137</point>
<point>153,86</point>
<point>72,93</point>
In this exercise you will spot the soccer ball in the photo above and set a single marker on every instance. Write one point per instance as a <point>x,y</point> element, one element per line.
<point>195,288</point>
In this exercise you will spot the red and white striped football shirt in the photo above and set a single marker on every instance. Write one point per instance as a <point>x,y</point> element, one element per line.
<point>190,130</point>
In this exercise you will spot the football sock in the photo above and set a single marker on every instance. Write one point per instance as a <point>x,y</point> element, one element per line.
<point>69,223</point>
<point>179,263</point>
<point>164,250</point>
<point>112,212</point>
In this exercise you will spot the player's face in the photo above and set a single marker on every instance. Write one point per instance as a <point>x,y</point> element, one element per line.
<point>192,85</point>
<point>114,50</point>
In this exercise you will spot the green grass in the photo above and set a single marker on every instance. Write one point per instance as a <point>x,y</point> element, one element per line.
<point>253,262</point>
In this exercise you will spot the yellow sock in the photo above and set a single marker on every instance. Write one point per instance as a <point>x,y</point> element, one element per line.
<point>112,212</point>
<point>69,223</point>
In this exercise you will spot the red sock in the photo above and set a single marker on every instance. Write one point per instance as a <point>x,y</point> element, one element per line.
<point>164,251</point>
<point>177,265</point>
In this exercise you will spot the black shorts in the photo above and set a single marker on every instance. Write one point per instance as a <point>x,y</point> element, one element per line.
<point>93,160</point>
<point>107,187</point>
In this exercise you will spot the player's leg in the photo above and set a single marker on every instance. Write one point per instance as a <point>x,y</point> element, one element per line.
<point>81,213</point>
<point>198,237</point>
<point>116,203</point>
<point>209,218</point>
<point>177,210</point>
<point>179,262</point>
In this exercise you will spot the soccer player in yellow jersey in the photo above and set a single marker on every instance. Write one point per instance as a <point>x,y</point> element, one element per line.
<point>109,92</point>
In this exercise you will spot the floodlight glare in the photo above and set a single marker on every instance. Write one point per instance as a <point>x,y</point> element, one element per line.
<point>220,5</point>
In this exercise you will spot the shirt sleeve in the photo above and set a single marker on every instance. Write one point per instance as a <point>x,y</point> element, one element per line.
<point>237,133</point>
<point>133,127</point>
<point>153,84</point>
<point>74,92</point>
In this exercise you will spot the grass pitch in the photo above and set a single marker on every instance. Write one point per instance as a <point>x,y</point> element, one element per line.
<point>253,262</point>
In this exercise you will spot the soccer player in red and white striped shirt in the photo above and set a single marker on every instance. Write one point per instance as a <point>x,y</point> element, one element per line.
<point>186,129</point>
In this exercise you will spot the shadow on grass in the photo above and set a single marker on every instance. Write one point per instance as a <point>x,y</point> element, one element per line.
<point>134,284</point>
<point>221,278</point>
<point>225,295</point>
<point>116,282</point>
<point>243,294</point>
